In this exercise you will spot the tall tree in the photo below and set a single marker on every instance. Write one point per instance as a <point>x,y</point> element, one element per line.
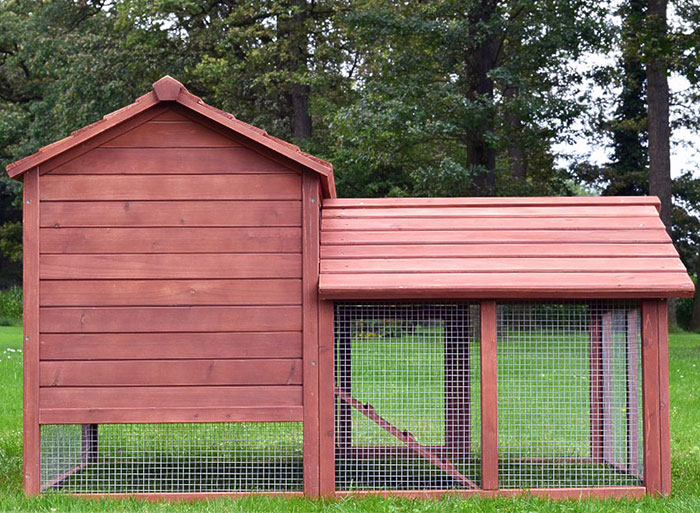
<point>658,107</point>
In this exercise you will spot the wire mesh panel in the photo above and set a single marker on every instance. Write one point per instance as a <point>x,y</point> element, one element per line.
<point>569,395</point>
<point>407,396</point>
<point>155,458</point>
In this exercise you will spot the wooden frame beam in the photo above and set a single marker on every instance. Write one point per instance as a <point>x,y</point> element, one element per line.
<point>489,396</point>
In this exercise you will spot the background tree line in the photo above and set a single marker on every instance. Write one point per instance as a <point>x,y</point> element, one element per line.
<point>441,97</point>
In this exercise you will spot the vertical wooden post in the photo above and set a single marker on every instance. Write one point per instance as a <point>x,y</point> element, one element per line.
<point>88,443</point>
<point>650,396</point>
<point>489,396</point>
<point>310,258</point>
<point>607,395</point>
<point>30,241</point>
<point>596,383</point>
<point>326,399</point>
<point>664,406</point>
<point>457,385</point>
<point>632,393</point>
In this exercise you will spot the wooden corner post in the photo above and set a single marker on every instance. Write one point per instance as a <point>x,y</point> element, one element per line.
<point>489,397</point>
<point>657,468</point>
<point>310,271</point>
<point>30,240</point>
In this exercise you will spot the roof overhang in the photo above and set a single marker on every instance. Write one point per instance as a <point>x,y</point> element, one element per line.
<point>498,248</point>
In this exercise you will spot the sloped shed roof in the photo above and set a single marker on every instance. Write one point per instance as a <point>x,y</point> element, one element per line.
<point>167,89</point>
<point>583,247</point>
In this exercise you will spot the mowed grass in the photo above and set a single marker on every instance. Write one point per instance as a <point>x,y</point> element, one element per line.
<point>685,447</point>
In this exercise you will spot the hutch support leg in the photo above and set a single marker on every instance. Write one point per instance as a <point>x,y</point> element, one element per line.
<point>31,429</point>
<point>489,397</point>
<point>457,387</point>
<point>311,219</point>
<point>88,443</point>
<point>596,384</point>
<point>655,397</point>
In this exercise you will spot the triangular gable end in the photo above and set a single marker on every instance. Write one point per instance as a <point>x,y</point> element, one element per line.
<point>168,90</point>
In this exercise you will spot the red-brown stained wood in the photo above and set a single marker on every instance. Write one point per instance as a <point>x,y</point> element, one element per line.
<point>664,405</point>
<point>311,230</point>
<point>169,397</point>
<point>619,492</point>
<point>170,240</point>
<point>651,397</point>
<point>155,346</point>
<point>493,223</point>
<point>489,396</point>
<point>283,186</point>
<point>170,266</point>
<point>512,251</point>
<point>109,373</point>
<point>326,399</point>
<point>170,134</point>
<point>493,285</point>
<point>199,413</point>
<point>170,292</point>
<point>173,161</point>
<point>156,319</point>
<point>381,237</point>
<point>505,265</point>
<point>30,355</point>
<point>486,211</point>
<point>171,213</point>
<point>561,201</point>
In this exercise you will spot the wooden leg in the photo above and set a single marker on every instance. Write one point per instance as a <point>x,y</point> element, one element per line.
<point>650,398</point>
<point>89,443</point>
<point>489,396</point>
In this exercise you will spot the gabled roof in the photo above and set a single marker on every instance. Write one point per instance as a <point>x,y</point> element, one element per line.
<point>499,248</point>
<point>167,89</point>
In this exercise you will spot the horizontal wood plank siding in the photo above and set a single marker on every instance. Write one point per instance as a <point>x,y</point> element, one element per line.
<point>157,319</point>
<point>497,248</point>
<point>170,264</point>
<point>284,186</point>
<point>170,240</point>
<point>170,292</point>
<point>170,214</point>
<point>171,373</point>
<point>173,161</point>
<point>169,397</point>
<point>154,346</point>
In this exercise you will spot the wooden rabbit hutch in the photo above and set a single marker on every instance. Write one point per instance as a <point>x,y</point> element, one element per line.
<point>204,317</point>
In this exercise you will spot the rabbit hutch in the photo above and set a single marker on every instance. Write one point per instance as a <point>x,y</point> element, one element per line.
<point>203,317</point>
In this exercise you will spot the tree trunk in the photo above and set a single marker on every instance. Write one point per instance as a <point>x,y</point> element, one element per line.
<point>293,29</point>
<point>658,105</point>
<point>480,60</point>
<point>695,319</point>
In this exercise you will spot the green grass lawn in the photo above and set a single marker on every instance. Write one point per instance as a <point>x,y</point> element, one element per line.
<point>685,446</point>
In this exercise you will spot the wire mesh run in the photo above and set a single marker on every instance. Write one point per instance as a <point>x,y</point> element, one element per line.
<point>160,458</point>
<point>407,396</point>
<point>569,395</point>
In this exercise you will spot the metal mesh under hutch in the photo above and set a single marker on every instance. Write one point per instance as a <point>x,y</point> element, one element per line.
<point>162,458</point>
